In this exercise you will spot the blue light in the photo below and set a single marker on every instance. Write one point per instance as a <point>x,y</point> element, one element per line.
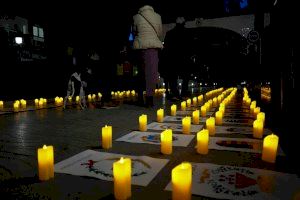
<point>130,38</point>
<point>243,4</point>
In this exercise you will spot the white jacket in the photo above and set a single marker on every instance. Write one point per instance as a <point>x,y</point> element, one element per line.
<point>146,36</point>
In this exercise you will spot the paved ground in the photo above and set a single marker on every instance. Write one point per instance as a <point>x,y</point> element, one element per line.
<point>72,131</point>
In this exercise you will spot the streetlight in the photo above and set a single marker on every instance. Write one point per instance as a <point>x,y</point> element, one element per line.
<point>18,40</point>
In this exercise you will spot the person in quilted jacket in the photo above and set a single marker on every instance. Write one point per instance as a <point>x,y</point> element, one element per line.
<point>147,25</point>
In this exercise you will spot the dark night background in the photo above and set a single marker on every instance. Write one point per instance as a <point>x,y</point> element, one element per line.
<point>104,27</point>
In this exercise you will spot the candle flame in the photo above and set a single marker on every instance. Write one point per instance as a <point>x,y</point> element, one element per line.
<point>121,160</point>
<point>44,147</point>
<point>183,165</point>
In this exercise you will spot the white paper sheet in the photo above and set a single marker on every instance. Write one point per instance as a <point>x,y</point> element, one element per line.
<point>173,126</point>
<point>154,138</point>
<point>99,165</point>
<point>231,182</point>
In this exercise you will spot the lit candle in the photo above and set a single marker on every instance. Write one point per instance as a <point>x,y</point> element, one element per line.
<point>160,115</point>
<point>122,178</point>
<point>1,104</point>
<point>45,163</point>
<point>195,101</point>
<point>270,145</point>
<point>219,99</point>
<point>173,110</point>
<point>77,99</point>
<point>133,93</point>
<point>258,128</point>
<point>166,142</point>
<point>182,181</point>
<point>203,111</point>
<point>99,95</point>
<point>56,100</point>
<point>41,103</point>
<point>210,102</point>
<point>223,104</point>
<point>261,116</point>
<point>23,103</point>
<point>256,111</point>
<point>202,141</point>
<point>253,103</point>
<point>143,123</point>
<point>183,106</point>
<point>200,99</point>
<point>248,101</point>
<point>16,105</point>
<point>186,125</point>
<point>215,102</point>
<point>188,103</point>
<point>252,106</point>
<point>210,125</point>
<point>70,99</point>
<point>222,110</point>
<point>89,97</point>
<point>196,117</point>
<point>106,137</point>
<point>207,105</point>
<point>219,117</point>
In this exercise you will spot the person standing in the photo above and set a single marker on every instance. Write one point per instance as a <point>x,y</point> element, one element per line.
<point>174,57</point>
<point>147,25</point>
<point>75,87</point>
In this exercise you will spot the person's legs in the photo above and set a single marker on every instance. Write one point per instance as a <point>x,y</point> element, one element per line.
<point>66,98</point>
<point>82,98</point>
<point>151,73</point>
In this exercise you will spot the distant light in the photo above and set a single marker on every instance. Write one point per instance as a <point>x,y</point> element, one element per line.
<point>205,84</point>
<point>163,42</point>
<point>192,84</point>
<point>131,37</point>
<point>195,77</point>
<point>19,40</point>
<point>180,84</point>
<point>200,84</point>
<point>163,84</point>
<point>243,4</point>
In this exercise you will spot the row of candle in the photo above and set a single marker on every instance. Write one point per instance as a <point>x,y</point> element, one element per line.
<point>58,100</point>
<point>18,103</point>
<point>122,173</point>
<point>212,93</point>
<point>181,175</point>
<point>159,91</point>
<point>121,95</point>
